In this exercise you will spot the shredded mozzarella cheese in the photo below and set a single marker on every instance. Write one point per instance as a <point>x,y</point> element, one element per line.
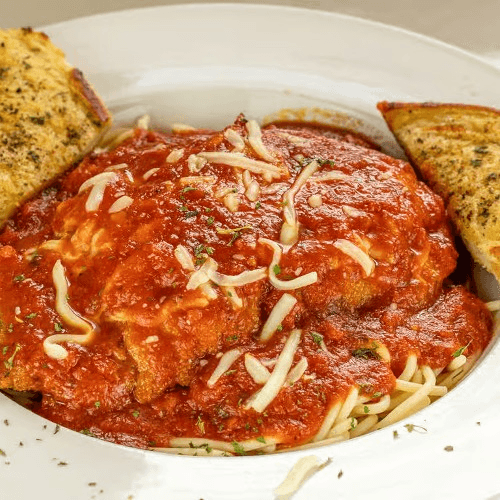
<point>201,276</point>
<point>279,312</point>
<point>98,184</point>
<point>356,254</point>
<point>149,173</point>
<point>351,211</point>
<point>277,379</point>
<point>184,258</point>
<point>118,166</point>
<point>233,297</point>
<point>240,161</point>
<point>255,140</point>
<point>196,163</point>
<point>241,279</point>
<point>120,204</point>
<point>175,155</point>
<point>296,372</point>
<point>103,176</point>
<point>197,179</point>
<point>225,363</point>
<point>181,127</point>
<point>69,316</point>
<point>253,191</point>
<point>235,140</point>
<point>143,122</point>
<point>259,373</point>
<point>315,200</point>
<point>304,468</point>
<point>290,229</point>
<point>247,178</point>
<point>334,175</point>
<point>231,201</point>
<point>294,139</point>
<point>300,282</point>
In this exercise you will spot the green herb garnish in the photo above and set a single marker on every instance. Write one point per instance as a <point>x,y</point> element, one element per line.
<point>329,163</point>
<point>460,351</point>
<point>87,432</point>
<point>317,337</point>
<point>191,213</point>
<point>200,424</point>
<point>416,428</point>
<point>366,353</point>
<point>238,448</point>
<point>9,363</point>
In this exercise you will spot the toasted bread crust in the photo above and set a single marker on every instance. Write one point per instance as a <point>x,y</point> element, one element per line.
<point>49,116</point>
<point>456,148</point>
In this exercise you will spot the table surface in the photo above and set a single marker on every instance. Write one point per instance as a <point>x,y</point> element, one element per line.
<point>472,26</point>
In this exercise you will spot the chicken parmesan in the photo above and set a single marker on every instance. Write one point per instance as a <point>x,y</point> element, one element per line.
<point>237,291</point>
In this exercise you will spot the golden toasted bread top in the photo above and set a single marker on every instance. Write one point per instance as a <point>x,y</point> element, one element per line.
<point>49,115</point>
<point>456,148</point>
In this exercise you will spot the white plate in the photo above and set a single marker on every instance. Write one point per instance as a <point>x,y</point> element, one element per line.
<point>203,64</point>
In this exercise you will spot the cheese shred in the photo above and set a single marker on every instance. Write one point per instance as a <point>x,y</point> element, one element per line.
<point>280,372</point>
<point>356,254</point>
<point>255,140</point>
<point>302,470</point>
<point>98,184</point>
<point>225,363</point>
<point>279,312</point>
<point>300,282</point>
<point>240,161</point>
<point>69,316</point>
<point>290,229</point>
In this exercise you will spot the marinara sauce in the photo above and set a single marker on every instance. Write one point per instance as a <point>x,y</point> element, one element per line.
<point>131,226</point>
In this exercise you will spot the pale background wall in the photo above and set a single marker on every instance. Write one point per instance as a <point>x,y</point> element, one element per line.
<point>473,25</point>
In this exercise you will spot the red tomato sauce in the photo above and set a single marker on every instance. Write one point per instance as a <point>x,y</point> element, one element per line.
<point>142,379</point>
